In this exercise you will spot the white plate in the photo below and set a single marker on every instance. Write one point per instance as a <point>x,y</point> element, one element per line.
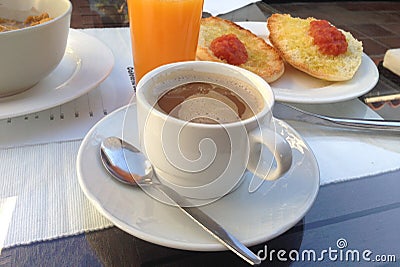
<point>252,217</point>
<point>298,87</point>
<point>86,63</point>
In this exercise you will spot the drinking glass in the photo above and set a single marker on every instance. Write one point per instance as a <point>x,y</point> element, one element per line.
<point>163,31</point>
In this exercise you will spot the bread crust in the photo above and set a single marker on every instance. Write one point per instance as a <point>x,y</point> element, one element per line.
<point>263,59</point>
<point>290,36</point>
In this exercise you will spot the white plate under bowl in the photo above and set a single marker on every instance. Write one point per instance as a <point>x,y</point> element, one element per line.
<point>252,217</point>
<point>298,87</point>
<point>86,63</point>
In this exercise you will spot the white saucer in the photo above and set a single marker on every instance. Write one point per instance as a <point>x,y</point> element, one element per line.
<point>252,217</point>
<point>86,63</point>
<point>298,87</point>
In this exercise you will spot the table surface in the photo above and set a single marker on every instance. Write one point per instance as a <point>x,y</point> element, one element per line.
<point>365,212</point>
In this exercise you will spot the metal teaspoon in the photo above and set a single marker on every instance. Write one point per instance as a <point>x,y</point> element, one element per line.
<point>113,154</point>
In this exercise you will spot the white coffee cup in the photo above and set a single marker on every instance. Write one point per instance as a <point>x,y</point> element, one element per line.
<point>207,161</point>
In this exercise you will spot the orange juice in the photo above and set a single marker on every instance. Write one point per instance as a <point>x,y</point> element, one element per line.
<point>163,31</point>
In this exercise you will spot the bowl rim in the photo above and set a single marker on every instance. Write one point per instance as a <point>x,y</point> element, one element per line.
<point>67,12</point>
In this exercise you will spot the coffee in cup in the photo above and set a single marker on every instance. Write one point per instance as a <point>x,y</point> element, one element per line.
<point>202,102</point>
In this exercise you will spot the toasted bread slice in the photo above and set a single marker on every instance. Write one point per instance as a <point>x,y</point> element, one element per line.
<point>263,59</point>
<point>290,36</point>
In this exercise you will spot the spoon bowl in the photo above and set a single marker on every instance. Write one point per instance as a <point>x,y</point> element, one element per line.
<point>114,154</point>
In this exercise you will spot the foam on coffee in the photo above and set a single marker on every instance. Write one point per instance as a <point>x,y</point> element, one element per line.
<point>208,102</point>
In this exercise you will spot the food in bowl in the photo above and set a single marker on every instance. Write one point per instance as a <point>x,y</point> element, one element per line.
<point>32,20</point>
<point>31,53</point>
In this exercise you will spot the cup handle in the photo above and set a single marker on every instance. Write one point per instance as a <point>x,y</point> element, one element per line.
<point>268,169</point>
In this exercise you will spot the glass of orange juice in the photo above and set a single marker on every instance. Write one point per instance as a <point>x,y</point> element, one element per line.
<point>163,31</point>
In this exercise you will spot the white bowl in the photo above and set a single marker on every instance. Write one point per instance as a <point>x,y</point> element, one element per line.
<point>30,54</point>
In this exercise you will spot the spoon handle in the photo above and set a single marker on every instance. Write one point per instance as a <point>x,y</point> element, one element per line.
<point>211,226</point>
